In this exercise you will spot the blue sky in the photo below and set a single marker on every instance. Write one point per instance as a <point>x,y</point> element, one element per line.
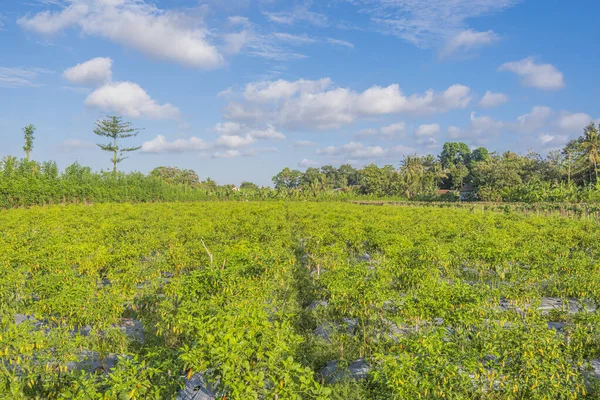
<point>238,90</point>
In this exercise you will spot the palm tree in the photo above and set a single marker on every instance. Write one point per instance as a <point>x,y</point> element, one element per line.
<point>590,146</point>
<point>412,170</point>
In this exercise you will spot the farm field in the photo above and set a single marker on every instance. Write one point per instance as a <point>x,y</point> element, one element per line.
<point>291,300</point>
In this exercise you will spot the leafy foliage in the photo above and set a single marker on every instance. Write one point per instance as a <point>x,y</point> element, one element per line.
<point>260,297</point>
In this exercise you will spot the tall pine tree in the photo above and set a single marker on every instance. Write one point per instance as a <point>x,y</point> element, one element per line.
<point>114,128</point>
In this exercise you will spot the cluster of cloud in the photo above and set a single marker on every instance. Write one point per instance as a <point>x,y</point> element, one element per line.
<point>356,151</point>
<point>320,105</point>
<point>233,141</point>
<point>552,128</point>
<point>125,98</point>
<point>167,35</point>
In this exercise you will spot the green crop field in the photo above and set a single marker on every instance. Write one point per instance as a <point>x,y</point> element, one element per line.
<point>297,301</point>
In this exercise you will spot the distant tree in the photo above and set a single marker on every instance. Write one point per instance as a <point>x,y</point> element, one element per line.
<point>420,175</point>
<point>590,147</point>
<point>492,176</point>
<point>209,184</point>
<point>287,179</point>
<point>457,175</point>
<point>173,175</point>
<point>349,175</point>
<point>249,186</point>
<point>384,181</point>
<point>28,132</point>
<point>454,153</point>
<point>478,155</point>
<point>114,128</point>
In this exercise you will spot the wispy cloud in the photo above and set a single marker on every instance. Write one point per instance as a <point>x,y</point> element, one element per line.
<point>20,77</point>
<point>339,42</point>
<point>298,14</point>
<point>427,22</point>
<point>294,39</point>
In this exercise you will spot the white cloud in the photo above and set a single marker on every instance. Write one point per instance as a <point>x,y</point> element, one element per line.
<point>394,129</point>
<point>270,133</point>
<point>545,138</point>
<point>485,125</point>
<point>129,99</point>
<point>356,150</point>
<point>306,163</point>
<point>491,99</point>
<point>428,130</point>
<point>428,22</point>
<point>231,139</point>
<point>468,40</point>
<point>228,128</point>
<point>234,141</point>
<point>161,145</point>
<point>552,142</point>
<point>227,154</point>
<point>319,105</point>
<point>480,128</point>
<point>304,143</point>
<point>92,72</point>
<point>235,129</point>
<point>282,89</point>
<point>540,76</point>
<point>234,153</point>
<point>235,42</point>
<point>574,123</point>
<point>20,77</point>
<point>385,132</point>
<point>534,120</point>
<point>169,35</point>
<point>339,42</point>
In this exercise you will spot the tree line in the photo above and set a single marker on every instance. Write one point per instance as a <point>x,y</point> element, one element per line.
<point>569,174</point>
<point>566,175</point>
